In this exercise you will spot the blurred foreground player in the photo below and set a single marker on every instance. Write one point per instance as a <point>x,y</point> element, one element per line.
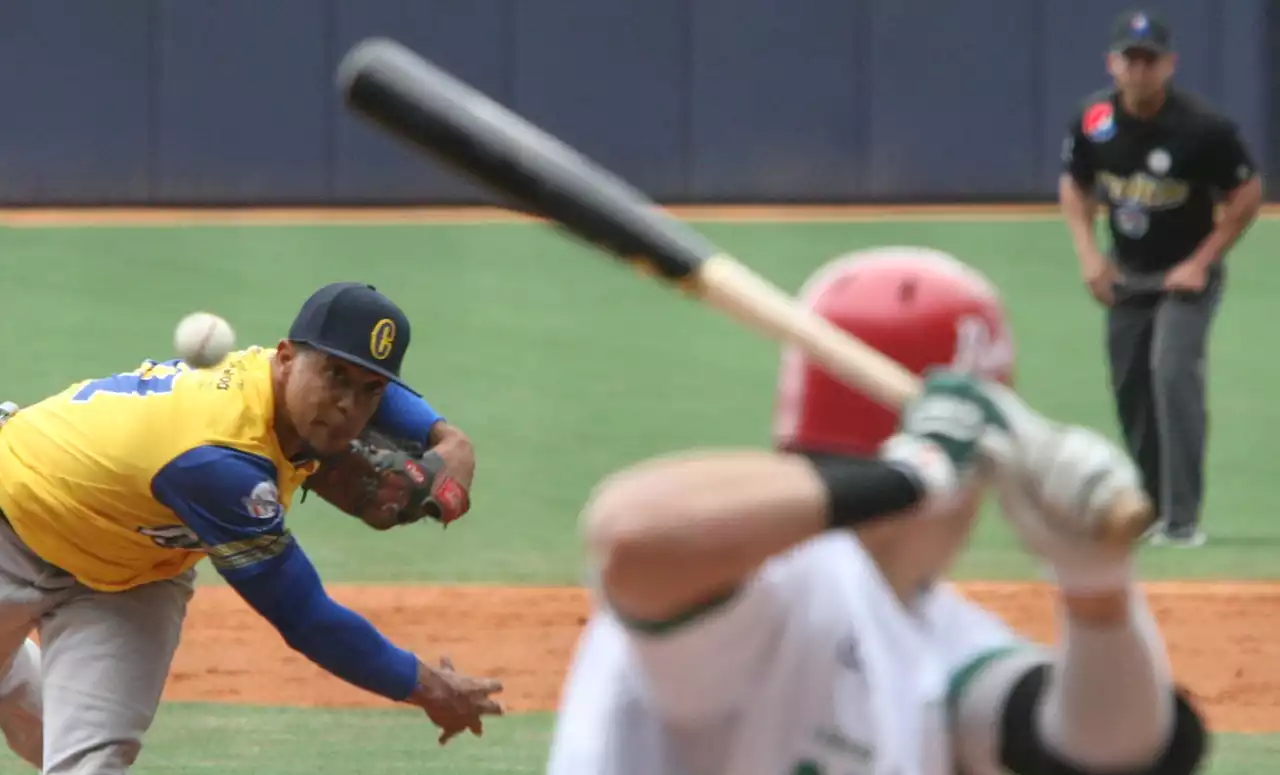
<point>781,613</point>
<point>114,489</point>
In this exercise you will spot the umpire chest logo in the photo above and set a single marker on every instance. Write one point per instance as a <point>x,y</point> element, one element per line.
<point>1131,221</point>
<point>1145,190</point>
<point>1158,161</point>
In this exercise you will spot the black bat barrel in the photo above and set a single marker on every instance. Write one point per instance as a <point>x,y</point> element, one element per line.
<point>437,113</point>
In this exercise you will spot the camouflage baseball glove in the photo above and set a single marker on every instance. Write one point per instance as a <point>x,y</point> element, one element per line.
<point>388,482</point>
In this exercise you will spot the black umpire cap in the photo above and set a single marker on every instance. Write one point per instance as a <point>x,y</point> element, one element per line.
<point>356,323</point>
<point>1141,30</point>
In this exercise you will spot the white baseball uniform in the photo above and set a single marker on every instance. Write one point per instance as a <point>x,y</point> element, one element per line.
<point>813,668</point>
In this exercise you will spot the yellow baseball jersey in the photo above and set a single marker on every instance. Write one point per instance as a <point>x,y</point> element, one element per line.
<point>129,479</point>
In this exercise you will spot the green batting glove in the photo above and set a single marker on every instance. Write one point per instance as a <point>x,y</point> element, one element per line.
<point>950,416</point>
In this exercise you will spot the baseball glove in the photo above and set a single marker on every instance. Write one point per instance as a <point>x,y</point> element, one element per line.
<point>388,482</point>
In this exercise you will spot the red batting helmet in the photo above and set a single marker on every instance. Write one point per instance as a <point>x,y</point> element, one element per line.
<point>919,306</point>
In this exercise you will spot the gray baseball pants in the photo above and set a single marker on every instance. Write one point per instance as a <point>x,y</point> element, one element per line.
<point>1157,344</point>
<point>81,702</point>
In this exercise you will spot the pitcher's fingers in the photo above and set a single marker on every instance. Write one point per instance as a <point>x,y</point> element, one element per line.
<point>488,685</point>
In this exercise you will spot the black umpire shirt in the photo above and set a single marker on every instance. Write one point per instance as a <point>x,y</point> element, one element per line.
<point>1160,177</point>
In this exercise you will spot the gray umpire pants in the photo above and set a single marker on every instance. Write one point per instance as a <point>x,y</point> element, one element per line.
<point>1157,343</point>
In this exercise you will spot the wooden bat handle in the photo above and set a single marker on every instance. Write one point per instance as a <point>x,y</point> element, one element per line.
<point>755,302</point>
<point>735,289</point>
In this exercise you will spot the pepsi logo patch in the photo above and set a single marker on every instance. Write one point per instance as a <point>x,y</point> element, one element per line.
<point>1099,122</point>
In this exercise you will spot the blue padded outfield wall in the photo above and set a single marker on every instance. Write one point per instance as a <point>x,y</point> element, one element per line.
<point>171,102</point>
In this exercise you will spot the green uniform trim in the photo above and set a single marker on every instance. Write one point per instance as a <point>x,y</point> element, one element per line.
<point>681,620</point>
<point>961,679</point>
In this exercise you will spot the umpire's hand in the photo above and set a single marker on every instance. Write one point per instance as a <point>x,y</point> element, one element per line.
<point>1100,277</point>
<point>1190,275</point>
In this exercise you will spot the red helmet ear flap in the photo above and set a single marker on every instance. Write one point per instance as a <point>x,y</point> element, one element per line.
<point>921,307</point>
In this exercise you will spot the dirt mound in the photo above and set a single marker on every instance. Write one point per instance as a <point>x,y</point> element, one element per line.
<point>1220,635</point>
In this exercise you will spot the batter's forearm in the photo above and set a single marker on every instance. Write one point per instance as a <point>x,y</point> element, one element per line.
<point>671,534</point>
<point>1102,701</point>
<point>1110,699</point>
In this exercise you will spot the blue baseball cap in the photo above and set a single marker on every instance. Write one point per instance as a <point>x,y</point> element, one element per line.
<point>356,323</point>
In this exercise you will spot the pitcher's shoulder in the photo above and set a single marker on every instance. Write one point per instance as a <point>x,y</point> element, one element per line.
<point>232,402</point>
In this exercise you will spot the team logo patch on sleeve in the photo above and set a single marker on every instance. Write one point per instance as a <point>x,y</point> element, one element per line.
<point>264,501</point>
<point>1099,122</point>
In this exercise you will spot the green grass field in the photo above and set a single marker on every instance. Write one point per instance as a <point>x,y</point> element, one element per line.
<point>562,367</point>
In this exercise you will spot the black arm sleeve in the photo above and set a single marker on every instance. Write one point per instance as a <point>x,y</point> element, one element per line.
<point>1022,752</point>
<point>864,489</point>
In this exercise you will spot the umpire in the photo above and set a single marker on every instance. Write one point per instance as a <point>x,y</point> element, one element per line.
<point>1163,162</point>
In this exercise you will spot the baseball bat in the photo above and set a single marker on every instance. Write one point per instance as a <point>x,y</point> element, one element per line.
<point>431,110</point>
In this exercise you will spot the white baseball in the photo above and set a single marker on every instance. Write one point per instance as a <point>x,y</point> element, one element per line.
<point>203,339</point>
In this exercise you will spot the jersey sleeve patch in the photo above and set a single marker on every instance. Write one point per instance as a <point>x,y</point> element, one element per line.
<point>1098,122</point>
<point>404,415</point>
<point>242,555</point>
<point>231,501</point>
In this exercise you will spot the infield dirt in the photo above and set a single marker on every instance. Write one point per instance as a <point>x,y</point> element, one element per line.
<point>1224,639</point>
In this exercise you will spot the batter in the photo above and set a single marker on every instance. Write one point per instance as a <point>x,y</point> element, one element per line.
<point>781,612</point>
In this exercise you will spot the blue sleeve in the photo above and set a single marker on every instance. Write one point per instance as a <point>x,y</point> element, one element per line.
<point>230,500</point>
<point>404,415</point>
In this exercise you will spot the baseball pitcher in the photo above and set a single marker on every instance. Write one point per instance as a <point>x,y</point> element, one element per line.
<point>114,489</point>
<point>783,612</point>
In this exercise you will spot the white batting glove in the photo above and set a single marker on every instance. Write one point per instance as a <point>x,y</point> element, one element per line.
<point>940,431</point>
<point>1054,483</point>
